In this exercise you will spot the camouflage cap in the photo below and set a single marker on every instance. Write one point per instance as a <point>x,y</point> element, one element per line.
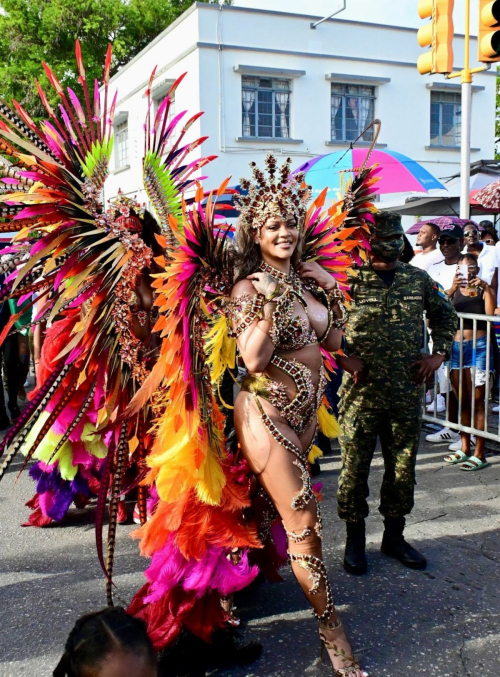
<point>387,223</point>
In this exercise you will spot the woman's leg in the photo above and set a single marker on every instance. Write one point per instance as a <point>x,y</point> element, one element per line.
<point>466,403</point>
<point>479,416</point>
<point>276,456</point>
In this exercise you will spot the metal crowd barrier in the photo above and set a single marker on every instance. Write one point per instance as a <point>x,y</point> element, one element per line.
<point>491,432</point>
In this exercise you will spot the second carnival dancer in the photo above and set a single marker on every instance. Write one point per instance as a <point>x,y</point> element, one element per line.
<point>283,310</point>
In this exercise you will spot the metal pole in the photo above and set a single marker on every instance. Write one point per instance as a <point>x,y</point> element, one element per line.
<point>313,25</point>
<point>466,122</point>
<point>465,150</point>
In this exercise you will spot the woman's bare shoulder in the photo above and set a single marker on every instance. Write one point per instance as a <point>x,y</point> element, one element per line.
<point>243,287</point>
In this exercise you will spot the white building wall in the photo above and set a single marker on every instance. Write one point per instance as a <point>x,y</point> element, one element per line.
<point>281,40</point>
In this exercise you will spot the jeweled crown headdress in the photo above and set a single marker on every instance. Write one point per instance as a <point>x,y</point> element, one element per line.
<point>281,194</point>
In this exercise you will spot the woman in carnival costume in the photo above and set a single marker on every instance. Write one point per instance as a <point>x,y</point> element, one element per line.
<point>283,311</point>
<point>130,403</point>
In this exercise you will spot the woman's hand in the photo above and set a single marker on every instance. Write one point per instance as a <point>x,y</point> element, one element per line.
<point>477,282</point>
<point>317,273</point>
<point>458,281</point>
<point>263,283</point>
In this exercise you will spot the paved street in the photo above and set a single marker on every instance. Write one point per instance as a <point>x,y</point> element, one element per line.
<point>443,622</point>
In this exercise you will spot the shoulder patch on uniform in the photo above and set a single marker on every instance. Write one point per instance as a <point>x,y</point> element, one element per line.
<point>440,290</point>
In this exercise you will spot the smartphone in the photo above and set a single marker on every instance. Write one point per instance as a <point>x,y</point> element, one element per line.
<point>463,271</point>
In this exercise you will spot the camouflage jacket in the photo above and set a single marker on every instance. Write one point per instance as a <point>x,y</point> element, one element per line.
<point>385,329</point>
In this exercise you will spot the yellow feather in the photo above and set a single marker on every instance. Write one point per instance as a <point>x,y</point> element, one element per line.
<point>328,424</point>
<point>314,454</point>
<point>209,488</point>
<point>220,349</point>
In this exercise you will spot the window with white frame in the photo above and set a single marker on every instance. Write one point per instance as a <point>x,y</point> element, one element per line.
<point>266,107</point>
<point>170,116</point>
<point>121,144</point>
<point>352,109</point>
<point>446,118</point>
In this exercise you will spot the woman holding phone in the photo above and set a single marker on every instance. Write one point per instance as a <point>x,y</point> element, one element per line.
<point>471,295</point>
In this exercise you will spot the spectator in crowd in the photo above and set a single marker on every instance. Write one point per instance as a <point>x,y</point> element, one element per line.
<point>427,238</point>
<point>485,254</point>
<point>451,242</point>
<point>473,295</point>
<point>22,339</point>
<point>108,643</point>
<point>488,228</point>
<point>489,235</point>
<point>381,394</point>
<point>496,287</point>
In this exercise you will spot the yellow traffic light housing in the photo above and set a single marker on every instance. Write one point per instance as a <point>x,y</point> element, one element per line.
<point>438,35</point>
<point>489,31</point>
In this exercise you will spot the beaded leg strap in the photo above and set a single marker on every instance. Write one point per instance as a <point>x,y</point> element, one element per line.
<point>268,516</point>
<point>317,573</point>
<point>300,501</point>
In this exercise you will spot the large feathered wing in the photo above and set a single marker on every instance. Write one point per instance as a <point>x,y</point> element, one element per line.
<point>199,517</point>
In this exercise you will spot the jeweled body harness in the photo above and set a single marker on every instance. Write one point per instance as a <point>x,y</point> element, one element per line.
<point>291,333</point>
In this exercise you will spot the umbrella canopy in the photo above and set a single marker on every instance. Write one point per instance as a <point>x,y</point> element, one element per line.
<point>398,173</point>
<point>489,197</point>
<point>441,222</point>
<point>483,173</point>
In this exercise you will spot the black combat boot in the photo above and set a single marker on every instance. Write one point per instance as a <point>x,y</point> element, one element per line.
<point>354,557</point>
<point>394,544</point>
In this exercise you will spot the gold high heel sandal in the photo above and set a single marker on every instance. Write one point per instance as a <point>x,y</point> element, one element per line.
<point>353,666</point>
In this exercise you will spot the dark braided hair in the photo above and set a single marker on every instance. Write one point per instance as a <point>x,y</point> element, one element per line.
<point>95,636</point>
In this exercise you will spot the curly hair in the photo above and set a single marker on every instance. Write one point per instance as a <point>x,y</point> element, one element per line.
<point>247,256</point>
<point>95,636</point>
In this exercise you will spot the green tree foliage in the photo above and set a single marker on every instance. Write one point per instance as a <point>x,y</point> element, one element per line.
<point>32,31</point>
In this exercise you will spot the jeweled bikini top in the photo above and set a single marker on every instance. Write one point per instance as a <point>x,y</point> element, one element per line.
<point>288,332</point>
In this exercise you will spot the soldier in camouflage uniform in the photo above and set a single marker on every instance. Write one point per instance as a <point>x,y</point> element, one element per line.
<point>381,393</point>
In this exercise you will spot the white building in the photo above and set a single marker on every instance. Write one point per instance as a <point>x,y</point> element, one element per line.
<point>266,80</point>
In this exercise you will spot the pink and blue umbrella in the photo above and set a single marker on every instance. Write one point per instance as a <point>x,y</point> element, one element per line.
<point>398,173</point>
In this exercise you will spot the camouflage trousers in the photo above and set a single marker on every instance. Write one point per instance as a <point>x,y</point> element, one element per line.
<point>399,436</point>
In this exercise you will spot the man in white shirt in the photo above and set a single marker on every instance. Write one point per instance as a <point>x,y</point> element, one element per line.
<point>427,238</point>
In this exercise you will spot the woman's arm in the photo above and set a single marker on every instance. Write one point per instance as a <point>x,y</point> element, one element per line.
<point>490,300</point>
<point>254,343</point>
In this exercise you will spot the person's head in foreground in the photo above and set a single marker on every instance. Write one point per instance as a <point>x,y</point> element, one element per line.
<point>108,643</point>
<point>386,238</point>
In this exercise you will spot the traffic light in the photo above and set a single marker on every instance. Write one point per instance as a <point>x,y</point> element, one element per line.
<point>489,31</point>
<point>438,35</point>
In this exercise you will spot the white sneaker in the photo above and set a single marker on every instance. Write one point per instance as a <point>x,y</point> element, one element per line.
<point>428,397</point>
<point>496,409</point>
<point>442,436</point>
<point>441,405</point>
<point>457,446</point>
